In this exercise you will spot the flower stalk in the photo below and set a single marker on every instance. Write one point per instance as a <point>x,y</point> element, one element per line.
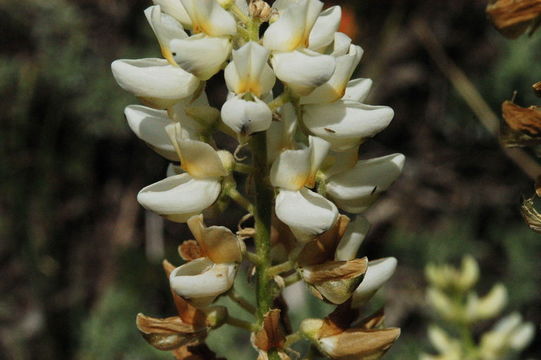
<point>262,216</point>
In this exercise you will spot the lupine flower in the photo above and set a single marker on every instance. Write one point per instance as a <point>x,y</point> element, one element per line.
<point>312,132</point>
<point>181,196</point>
<point>335,337</point>
<point>295,37</point>
<point>307,213</point>
<point>248,75</point>
<point>201,280</point>
<point>189,327</point>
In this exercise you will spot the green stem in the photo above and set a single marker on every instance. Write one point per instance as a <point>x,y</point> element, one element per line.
<point>243,168</point>
<point>237,197</point>
<point>280,268</point>
<point>292,339</point>
<point>279,101</point>
<point>292,279</point>
<point>262,217</point>
<point>239,14</point>
<point>253,29</point>
<point>251,257</point>
<point>242,324</point>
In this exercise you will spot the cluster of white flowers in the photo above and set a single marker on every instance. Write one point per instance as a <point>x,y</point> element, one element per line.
<point>312,131</point>
<point>451,296</point>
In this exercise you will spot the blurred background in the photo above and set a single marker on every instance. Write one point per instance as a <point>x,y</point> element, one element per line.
<point>79,258</point>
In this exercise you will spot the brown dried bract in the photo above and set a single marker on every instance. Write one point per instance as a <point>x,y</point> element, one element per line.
<point>323,247</point>
<point>362,344</point>
<point>260,9</point>
<point>373,321</point>
<point>531,216</point>
<point>537,88</point>
<point>335,270</point>
<point>271,336</point>
<point>169,333</point>
<point>513,17</point>
<point>190,250</point>
<point>522,119</point>
<point>173,324</point>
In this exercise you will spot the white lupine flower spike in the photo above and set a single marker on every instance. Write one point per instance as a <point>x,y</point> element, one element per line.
<point>291,101</point>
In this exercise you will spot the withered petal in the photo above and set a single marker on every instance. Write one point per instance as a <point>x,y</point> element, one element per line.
<point>271,336</point>
<point>323,247</point>
<point>359,344</point>
<point>169,333</point>
<point>522,119</point>
<point>513,17</point>
<point>334,271</point>
<point>531,216</point>
<point>190,250</point>
<point>170,325</point>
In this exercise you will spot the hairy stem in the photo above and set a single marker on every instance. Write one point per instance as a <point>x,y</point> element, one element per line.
<point>262,217</point>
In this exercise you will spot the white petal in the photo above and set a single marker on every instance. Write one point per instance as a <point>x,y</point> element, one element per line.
<point>305,212</point>
<point>179,197</point>
<point>353,238</point>
<point>522,336</point>
<point>507,324</point>
<point>326,25</point>
<point>197,158</point>
<point>337,162</point>
<point>176,10</point>
<point>303,70</point>
<point>185,110</point>
<point>355,189</point>
<point>149,125</point>
<point>341,44</point>
<point>173,169</point>
<point>319,149</point>
<point>154,79</point>
<point>280,134</point>
<point>246,117</point>
<point>358,90</point>
<point>345,123</point>
<point>291,169</point>
<point>249,71</point>
<point>293,27</point>
<point>335,88</point>
<point>201,55</point>
<point>200,160</point>
<point>202,280</point>
<point>490,305</point>
<point>377,274</point>
<point>165,27</point>
<point>210,18</point>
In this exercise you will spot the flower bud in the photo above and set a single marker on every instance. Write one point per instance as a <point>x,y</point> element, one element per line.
<point>246,117</point>
<point>260,10</point>
<point>216,316</point>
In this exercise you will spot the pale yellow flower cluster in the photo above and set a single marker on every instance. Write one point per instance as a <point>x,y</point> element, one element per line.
<point>451,296</point>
